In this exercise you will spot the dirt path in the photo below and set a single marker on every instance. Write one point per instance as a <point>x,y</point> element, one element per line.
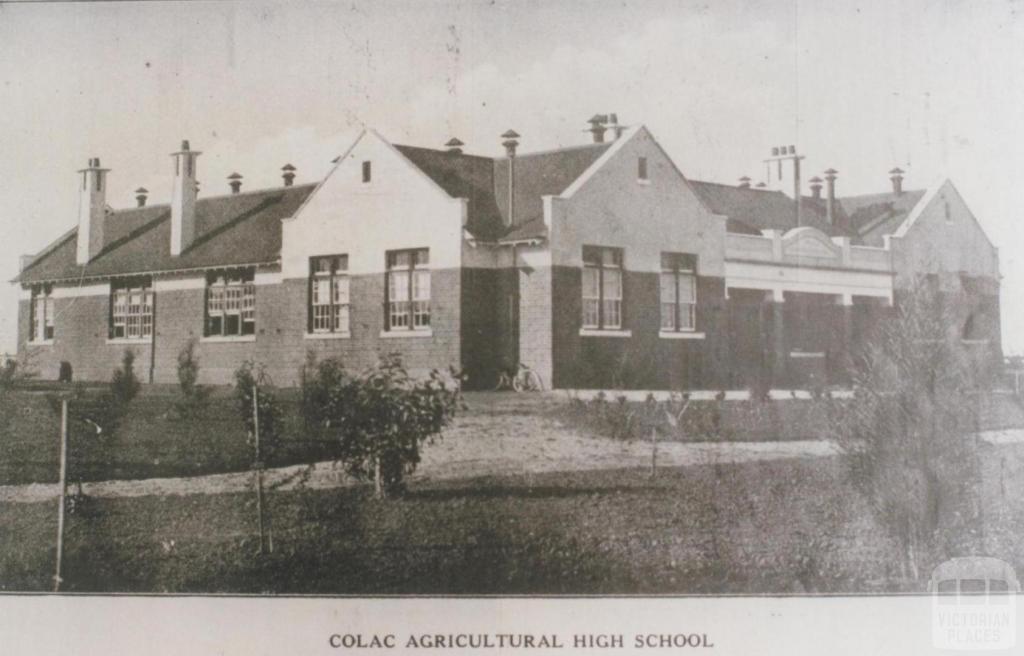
<point>477,445</point>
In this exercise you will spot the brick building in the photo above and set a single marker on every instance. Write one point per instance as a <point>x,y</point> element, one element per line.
<point>598,265</point>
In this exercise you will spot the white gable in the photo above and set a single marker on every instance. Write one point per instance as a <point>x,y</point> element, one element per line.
<point>399,207</point>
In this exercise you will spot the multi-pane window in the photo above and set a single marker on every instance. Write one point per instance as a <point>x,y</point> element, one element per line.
<point>42,314</point>
<point>602,288</point>
<point>329,294</point>
<point>408,289</point>
<point>678,292</point>
<point>231,303</point>
<point>131,309</point>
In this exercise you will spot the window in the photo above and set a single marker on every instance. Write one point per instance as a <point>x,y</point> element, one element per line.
<point>230,303</point>
<point>408,290</point>
<point>641,168</point>
<point>328,294</point>
<point>367,172</point>
<point>42,314</point>
<point>602,288</point>
<point>131,309</point>
<point>678,292</point>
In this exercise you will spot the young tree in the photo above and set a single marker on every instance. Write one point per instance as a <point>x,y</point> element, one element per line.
<point>193,395</point>
<point>909,431</point>
<point>383,417</point>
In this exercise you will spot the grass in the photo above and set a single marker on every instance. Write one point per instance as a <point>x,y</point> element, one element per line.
<point>152,440</point>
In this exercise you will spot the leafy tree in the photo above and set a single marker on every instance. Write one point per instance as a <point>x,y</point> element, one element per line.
<point>124,384</point>
<point>909,432</point>
<point>193,395</point>
<point>382,418</point>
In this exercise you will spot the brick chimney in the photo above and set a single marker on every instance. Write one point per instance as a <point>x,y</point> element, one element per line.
<point>830,205</point>
<point>92,211</point>
<point>140,196</point>
<point>511,142</point>
<point>816,183</point>
<point>896,176</point>
<point>183,199</point>
<point>235,180</point>
<point>288,175</point>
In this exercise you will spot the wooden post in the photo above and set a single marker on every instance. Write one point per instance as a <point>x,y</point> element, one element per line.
<point>259,464</point>
<point>654,451</point>
<point>63,489</point>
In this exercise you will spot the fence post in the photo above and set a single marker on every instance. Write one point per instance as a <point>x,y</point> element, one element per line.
<point>259,464</point>
<point>63,489</point>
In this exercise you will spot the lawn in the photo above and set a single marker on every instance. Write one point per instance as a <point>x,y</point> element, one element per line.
<point>770,527</point>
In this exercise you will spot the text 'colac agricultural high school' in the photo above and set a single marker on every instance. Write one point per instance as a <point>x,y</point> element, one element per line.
<point>598,265</point>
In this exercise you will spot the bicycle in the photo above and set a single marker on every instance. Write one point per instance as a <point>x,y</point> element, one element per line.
<point>523,379</point>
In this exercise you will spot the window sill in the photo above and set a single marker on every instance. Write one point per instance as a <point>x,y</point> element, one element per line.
<point>973,341</point>
<point>806,354</point>
<point>680,334</point>
<point>642,181</point>
<point>224,339</point>
<point>400,333</point>
<point>601,332</point>
<point>41,342</point>
<point>334,335</point>
<point>130,340</point>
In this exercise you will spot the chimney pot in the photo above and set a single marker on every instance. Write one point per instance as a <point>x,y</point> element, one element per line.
<point>140,196</point>
<point>510,142</point>
<point>830,205</point>
<point>816,184</point>
<point>775,151</point>
<point>597,127</point>
<point>896,176</point>
<point>184,144</point>
<point>235,182</point>
<point>454,146</point>
<point>288,175</point>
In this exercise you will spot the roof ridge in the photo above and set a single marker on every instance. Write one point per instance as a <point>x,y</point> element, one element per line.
<point>563,149</point>
<point>442,152</point>
<point>250,192</point>
<point>761,190</point>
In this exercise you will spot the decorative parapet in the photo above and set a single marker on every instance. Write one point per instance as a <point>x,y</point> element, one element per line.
<point>807,247</point>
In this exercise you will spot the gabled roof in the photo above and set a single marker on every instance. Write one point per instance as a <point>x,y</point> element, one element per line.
<point>873,215</point>
<point>750,210</point>
<point>231,230</point>
<point>484,181</point>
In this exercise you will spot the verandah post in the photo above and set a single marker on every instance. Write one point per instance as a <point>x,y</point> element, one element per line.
<point>259,463</point>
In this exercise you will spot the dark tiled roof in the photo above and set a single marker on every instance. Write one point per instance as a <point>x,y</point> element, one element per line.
<point>751,210</point>
<point>484,181</point>
<point>541,174</point>
<point>236,229</point>
<point>872,215</point>
<point>462,176</point>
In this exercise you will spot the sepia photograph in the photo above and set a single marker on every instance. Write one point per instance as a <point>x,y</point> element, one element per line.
<point>473,299</point>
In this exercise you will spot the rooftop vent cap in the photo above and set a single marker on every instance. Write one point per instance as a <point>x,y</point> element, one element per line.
<point>511,142</point>
<point>140,196</point>
<point>235,180</point>
<point>288,175</point>
<point>454,146</point>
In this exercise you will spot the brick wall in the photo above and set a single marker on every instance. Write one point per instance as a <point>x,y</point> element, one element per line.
<point>643,360</point>
<point>80,334</point>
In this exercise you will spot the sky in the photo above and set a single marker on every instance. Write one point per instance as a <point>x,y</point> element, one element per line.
<point>936,88</point>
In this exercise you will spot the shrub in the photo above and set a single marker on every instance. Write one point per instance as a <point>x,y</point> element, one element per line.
<point>250,380</point>
<point>125,385</point>
<point>383,417</point>
<point>316,380</point>
<point>193,396</point>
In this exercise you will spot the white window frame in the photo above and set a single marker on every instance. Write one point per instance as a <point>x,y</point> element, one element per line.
<point>407,286</point>
<point>680,271</point>
<point>42,328</point>
<point>230,296</point>
<point>330,315</point>
<point>601,265</point>
<point>131,310</point>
